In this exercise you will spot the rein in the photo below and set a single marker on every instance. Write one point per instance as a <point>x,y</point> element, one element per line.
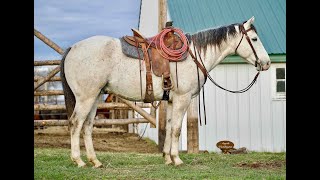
<point>206,73</point>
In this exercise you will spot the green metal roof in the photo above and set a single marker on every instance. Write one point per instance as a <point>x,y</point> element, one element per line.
<point>270,17</point>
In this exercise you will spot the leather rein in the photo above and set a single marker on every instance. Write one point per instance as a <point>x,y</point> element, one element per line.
<point>206,73</point>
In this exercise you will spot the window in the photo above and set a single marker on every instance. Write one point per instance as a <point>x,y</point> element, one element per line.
<point>278,75</point>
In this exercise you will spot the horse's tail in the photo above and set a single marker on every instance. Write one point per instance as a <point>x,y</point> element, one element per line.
<point>70,100</point>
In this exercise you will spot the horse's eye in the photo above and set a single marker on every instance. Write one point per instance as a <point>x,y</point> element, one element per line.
<point>254,39</point>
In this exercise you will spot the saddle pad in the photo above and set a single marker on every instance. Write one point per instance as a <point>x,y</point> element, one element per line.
<point>131,51</point>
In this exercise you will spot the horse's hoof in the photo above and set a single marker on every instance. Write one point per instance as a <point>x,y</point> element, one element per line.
<point>99,165</point>
<point>81,164</point>
<point>178,163</point>
<point>167,159</point>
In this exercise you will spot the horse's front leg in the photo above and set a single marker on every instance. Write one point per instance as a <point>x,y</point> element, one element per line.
<point>180,104</point>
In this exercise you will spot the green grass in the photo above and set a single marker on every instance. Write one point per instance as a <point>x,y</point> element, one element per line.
<point>56,164</point>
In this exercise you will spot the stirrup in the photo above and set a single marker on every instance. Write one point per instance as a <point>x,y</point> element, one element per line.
<point>168,88</point>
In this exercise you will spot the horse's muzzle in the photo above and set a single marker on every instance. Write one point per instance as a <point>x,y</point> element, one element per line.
<point>263,67</point>
<point>266,66</point>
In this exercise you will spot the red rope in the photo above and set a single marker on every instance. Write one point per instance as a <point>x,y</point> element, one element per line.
<point>171,54</point>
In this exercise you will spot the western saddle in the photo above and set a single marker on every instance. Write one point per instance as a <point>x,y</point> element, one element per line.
<point>155,61</point>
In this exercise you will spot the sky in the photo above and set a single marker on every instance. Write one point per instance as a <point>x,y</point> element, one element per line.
<point>66,22</point>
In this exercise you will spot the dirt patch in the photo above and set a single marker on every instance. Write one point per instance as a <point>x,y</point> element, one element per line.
<point>262,165</point>
<point>103,140</point>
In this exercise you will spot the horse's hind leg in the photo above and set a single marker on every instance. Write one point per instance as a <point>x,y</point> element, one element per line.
<point>167,141</point>
<point>87,136</point>
<point>80,113</point>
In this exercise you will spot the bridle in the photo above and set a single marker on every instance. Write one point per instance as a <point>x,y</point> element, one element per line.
<point>206,73</point>
<point>244,32</point>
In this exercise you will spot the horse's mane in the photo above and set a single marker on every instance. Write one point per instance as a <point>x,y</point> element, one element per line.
<point>213,36</point>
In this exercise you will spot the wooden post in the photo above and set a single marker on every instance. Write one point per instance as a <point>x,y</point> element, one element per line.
<point>142,112</point>
<point>120,114</point>
<point>46,62</point>
<point>47,41</point>
<point>53,46</point>
<point>192,127</point>
<point>162,124</point>
<point>54,78</point>
<point>163,106</point>
<point>162,14</point>
<point>50,75</point>
<point>130,126</point>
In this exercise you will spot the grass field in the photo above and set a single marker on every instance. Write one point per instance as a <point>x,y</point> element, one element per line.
<point>55,163</point>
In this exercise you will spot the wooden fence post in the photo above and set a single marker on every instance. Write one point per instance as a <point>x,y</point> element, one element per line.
<point>192,127</point>
<point>48,42</point>
<point>163,106</point>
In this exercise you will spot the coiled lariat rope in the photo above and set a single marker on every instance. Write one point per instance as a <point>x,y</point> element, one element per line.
<point>171,54</point>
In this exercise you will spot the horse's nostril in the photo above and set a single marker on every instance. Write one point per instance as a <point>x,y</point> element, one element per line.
<point>268,62</point>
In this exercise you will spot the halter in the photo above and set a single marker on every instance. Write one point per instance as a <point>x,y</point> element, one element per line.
<point>244,32</point>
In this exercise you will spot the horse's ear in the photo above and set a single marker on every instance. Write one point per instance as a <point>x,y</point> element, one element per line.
<point>248,23</point>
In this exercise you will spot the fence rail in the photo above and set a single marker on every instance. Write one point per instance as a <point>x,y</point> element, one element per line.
<point>111,105</point>
<point>98,122</point>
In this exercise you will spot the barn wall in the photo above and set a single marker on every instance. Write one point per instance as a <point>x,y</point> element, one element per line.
<point>252,119</point>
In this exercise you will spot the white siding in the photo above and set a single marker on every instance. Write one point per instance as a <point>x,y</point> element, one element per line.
<point>149,18</point>
<point>251,119</point>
